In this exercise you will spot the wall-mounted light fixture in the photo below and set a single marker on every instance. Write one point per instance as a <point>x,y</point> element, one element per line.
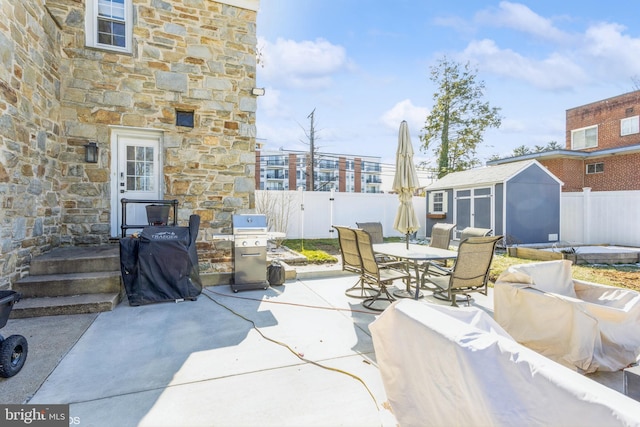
<point>91,152</point>
<point>257,91</point>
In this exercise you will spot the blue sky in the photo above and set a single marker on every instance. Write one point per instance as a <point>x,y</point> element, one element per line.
<point>364,67</point>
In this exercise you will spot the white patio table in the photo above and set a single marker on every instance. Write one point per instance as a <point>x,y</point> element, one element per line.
<point>414,254</point>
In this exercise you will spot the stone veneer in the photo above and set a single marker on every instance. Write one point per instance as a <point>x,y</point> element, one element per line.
<point>56,95</point>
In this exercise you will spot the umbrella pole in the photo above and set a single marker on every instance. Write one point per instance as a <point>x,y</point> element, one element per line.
<point>407,241</point>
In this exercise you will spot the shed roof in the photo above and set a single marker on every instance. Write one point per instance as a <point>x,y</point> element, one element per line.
<point>487,175</point>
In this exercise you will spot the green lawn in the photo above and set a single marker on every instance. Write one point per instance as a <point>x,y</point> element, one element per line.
<point>628,276</point>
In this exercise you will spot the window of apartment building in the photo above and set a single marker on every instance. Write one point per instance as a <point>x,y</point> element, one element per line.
<point>630,125</point>
<point>584,138</point>
<point>109,24</point>
<point>595,168</point>
<point>438,202</point>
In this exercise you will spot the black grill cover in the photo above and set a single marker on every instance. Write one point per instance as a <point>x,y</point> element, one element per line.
<point>162,264</point>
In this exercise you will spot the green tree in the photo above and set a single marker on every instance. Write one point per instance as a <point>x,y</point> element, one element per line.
<point>457,121</point>
<point>522,150</point>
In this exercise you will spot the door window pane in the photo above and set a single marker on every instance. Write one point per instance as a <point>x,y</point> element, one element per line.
<point>140,170</point>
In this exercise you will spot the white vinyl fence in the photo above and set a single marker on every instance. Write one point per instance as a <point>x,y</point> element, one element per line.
<point>310,214</point>
<point>602,217</point>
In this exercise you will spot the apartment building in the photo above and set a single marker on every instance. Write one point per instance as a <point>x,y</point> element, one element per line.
<point>291,170</point>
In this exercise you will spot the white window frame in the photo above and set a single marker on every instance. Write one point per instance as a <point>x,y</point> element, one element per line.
<point>579,138</point>
<point>593,168</point>
<point>439,207</point>
<point>91,27</point>
<point>629,125</point>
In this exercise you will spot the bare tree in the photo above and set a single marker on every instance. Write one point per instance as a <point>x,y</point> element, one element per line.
<point>277,206</point>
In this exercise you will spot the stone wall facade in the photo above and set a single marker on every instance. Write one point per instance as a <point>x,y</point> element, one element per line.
<point>57,95</point>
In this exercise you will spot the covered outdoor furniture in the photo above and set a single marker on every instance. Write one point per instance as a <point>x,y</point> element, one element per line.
<point>445,366</point>
<point>582,325</point>
<point>470,272</point>
<point>162,264</point>
<point>378,274</point>
<point>352,263</point>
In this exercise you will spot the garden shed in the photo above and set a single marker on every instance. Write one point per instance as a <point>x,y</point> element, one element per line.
<point>519,200</point>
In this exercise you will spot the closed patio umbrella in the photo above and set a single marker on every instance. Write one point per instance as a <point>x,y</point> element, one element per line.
<point>405,183</point>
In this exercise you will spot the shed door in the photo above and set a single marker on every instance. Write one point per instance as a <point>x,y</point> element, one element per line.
<point>474,209</point>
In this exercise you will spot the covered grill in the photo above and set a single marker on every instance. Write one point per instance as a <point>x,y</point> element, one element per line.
<point>249,252</point>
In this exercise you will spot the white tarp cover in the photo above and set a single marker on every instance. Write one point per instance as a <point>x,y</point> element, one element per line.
<point>584,326</point>
<point>446,366</point>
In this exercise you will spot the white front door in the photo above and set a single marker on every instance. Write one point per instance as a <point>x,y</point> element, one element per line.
<point>136,171</point>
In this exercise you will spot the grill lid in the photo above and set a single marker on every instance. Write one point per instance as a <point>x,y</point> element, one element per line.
<point>249,223</point>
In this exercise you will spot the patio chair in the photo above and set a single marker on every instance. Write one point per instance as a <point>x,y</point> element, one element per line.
<point>474,232</point>
<point>375,231</point>
<point>376,273</point>
<point>470,272</point>
<point>351,262</point>
<point>441,235</point>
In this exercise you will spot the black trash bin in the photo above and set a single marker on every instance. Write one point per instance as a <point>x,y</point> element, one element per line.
<point>276,274</point>
<point>162,264</point>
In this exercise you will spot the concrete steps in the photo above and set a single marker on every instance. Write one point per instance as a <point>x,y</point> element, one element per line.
<point>70,280</point>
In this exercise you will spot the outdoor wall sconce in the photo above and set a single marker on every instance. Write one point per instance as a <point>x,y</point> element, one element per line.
<point>91,152</point>
<point>257,91</point>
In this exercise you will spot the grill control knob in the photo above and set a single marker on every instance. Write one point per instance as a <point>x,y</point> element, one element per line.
<point>244,243</point>
<point>257,243</point>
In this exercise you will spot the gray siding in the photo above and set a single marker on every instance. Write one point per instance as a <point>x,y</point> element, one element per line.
<point>532,207</point>
<point>449,218</point>
<point>498,208</point>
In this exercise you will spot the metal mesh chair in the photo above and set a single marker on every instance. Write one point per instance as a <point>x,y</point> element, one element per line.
<point>374,229</point>
<point>378,274</point>
<point>441,235</point>
<point>474,232</point>
<point>351,262</point>
<point>470,273</point>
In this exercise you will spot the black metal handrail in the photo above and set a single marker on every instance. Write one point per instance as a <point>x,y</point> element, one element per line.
<point>124,227</point>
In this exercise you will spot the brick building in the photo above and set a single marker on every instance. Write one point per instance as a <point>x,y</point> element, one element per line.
<point>290,170</point>
<point>162,89</point>
<point>602,148</point>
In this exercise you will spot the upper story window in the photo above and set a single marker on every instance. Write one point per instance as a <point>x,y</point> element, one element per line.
<point>630,125</point>
<point>584,138</point>
<point>109,24</point>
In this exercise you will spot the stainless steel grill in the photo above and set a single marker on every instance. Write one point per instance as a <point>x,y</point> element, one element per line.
<point>249,252</point>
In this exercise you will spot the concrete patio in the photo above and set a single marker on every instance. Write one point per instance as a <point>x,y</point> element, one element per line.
<point>310,362</point>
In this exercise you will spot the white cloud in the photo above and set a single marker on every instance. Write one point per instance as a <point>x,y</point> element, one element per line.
<point>612,53</point>
<point>553,72</point>
<point>270,104</point>
<point>519,17</point>
<point>305,64</point>
<point>405,110</point>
